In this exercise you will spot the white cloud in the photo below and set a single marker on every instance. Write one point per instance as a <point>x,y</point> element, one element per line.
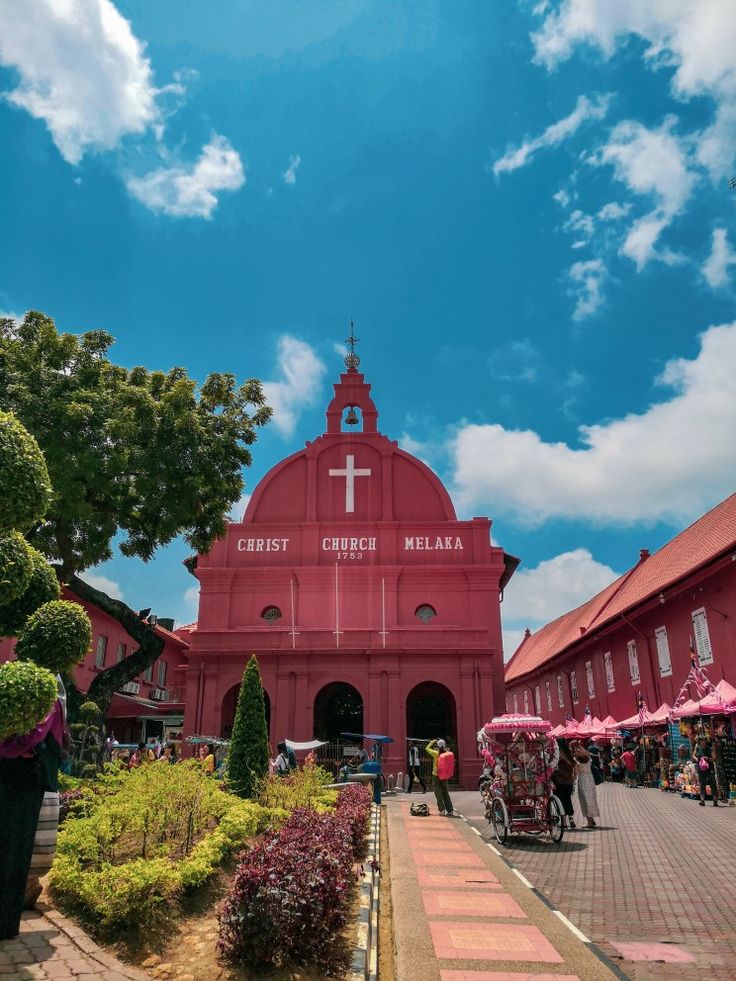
<point>651,162</point>
<point>580,222</point>
<point>289,175</point>
<point>298,387</point>
<point>105,585</point>
<point>191,192</point>
<point>238,509</point>
<point>81,70</point>
<point>586,108</point>
<point>535,596</point>
<point>587,282</point>
<point>189,606</point>
<point>668,463</point>
<point>514,362</point>
<point>715,267</point>
<point>613,211</point>
<point>695,37</point>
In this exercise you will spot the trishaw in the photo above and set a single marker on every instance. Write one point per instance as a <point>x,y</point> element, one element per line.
<point>520,756</point>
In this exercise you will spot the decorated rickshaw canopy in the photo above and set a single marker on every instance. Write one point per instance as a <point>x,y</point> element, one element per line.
<point>517,722</point>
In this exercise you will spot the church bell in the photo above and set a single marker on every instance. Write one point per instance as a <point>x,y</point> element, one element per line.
<point>351,418</point>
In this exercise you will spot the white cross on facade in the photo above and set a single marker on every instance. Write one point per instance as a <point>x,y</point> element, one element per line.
<point>350,473</point>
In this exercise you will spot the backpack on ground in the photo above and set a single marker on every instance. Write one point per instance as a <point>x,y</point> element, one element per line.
<point>446,765</point>
<point>419,810</point>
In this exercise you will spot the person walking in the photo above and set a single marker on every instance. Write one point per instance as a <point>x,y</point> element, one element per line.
<point>209,764</point>
<point>281,764</point>
<point>586,784</point>
<point>629,761</point>
<point>443,767</point>
<point>564,781</point>
<point>703,759</point>
<point>415,767</point>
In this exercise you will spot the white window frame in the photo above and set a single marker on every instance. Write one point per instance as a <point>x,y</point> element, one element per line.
<point>538,700</point>
<point>560,692</point>
<point>702,636</point>
<point>516,704</point>
<point>161,674</point>
<point>590,678</point>
<point>574,687</point>
<point>608,665</point>
<point>663,652</point>
<point>548,692</point>
<point>122,652</point>
<point>526,701</point>
<point>101,652</point>
<point>634,672</point>
<point>148,674</point>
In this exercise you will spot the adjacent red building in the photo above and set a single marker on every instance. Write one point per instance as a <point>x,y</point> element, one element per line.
<point>152,704</point>
<point>369,605</point>
<point>636,634</point>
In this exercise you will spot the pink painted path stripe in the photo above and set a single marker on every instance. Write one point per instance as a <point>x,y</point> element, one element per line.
<point>635,951</point>
<point>461,860</point>
<point>469,879</point>
<point>443,847</point>
<point>503,976</point>
<point>442,902</point>
<point>492,942</point>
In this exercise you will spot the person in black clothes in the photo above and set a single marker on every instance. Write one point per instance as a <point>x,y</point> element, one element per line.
<point>564,781</point>
<point>703,758</point>
<point>415,767</point>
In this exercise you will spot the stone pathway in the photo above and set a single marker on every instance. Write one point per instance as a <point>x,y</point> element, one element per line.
<point>461,914</point>
<point>50,946</point>
<point>652,886</point>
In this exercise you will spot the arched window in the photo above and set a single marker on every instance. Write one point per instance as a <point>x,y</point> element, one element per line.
<point>271,614</point>
<point>425,612</point>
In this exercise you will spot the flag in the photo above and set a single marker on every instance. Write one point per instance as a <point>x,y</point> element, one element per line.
<point>641,706</point>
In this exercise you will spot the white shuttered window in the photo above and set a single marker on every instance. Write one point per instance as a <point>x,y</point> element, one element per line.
<point>633,662</point>
<point>574,687</point>
<point>608,663</point>
<point>663,652</point>
<point>538,700</point>
<point>560,693</point>
<point>526,701</point>
<point>549,696</point>
<point>702,637</point>
<point>591,681</point>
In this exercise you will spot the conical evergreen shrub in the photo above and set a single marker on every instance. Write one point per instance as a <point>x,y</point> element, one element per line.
<point>249,753</point>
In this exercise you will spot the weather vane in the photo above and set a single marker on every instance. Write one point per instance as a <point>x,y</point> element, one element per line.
<point>351,359</point>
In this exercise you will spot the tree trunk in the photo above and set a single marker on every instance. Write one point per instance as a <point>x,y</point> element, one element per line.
<point>150,645</point>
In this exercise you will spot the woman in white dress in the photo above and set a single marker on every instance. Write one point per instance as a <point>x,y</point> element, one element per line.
<point>586,784</point>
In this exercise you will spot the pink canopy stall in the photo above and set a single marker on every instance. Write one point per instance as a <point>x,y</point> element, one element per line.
<point>646,718</point>
<point>724,703</point>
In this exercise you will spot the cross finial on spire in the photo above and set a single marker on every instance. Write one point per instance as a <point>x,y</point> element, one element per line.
<point>351,359</point>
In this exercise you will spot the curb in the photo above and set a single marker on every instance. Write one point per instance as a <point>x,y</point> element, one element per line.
<point>100,958</point>
<point>364,965</point>
<point>592,947</point>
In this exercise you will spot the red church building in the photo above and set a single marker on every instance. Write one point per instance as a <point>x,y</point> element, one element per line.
<point>370,606</point>
<point>637,634</point>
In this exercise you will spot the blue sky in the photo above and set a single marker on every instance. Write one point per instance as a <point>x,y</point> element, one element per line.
<point>525,207</point>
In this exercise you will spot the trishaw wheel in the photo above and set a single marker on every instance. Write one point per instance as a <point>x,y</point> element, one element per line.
<point>498,819</point>
<point>555,820</point>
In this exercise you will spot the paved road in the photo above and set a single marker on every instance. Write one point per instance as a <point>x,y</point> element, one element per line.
<point>656,880</point>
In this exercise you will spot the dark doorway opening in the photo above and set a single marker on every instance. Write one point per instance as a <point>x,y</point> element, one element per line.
<point>337,708</point>
<point>430,714</point>
<point>229,704</point>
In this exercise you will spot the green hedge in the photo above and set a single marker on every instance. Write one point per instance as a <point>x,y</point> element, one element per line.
<point>56,636</point>
<point>141,844</point>
<point>27,693</point>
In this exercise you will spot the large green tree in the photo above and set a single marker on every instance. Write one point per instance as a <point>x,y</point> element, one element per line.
<point>248,758</point>
<point>135,456</point>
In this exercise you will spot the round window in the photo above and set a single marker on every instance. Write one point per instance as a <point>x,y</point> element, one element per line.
<point>425,612</point>
<point>271,614</point>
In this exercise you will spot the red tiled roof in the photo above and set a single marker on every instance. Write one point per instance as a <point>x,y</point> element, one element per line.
<point>187,626</point>
<point>170,635</point>
<point>694,547</point>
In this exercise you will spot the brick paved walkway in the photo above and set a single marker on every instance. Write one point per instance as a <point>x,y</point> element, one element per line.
<point>49,946</point>
<point>460,914</point>
<point>655,881</point>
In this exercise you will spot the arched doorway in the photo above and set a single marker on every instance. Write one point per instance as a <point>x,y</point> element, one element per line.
<point>431,714</point>
<point>338,708</point>
<point>229,703</point>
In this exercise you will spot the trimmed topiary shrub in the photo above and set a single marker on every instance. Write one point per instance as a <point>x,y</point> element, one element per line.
<point>248,757</point>
<point>56,636</point>
<point>42,588</point>
<point>27,693</point>
<point>16,566</point>
<point>25,488</point>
